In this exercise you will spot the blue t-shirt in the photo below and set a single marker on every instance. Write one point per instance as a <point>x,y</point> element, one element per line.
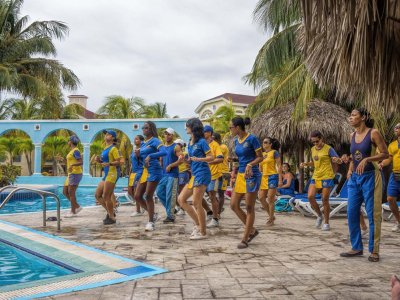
<point>246,152</point>
<point>151,146</point>
<point>199,149</point>
<point>137,162</point>
<point>169,158</point>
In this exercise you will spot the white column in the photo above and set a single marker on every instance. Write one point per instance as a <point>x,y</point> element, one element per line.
<point>38,159</point>
<point>86,159</point>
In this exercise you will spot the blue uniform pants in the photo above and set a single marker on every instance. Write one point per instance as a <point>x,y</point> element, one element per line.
<point>366,188</point>
<point>167,192</point>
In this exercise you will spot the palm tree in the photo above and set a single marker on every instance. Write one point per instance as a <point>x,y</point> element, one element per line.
<point>26,147</point>
<point>72,111</point>
<point>24,109</point>
<point>118,107</point>
<point>279,71</point>
<point>221,118</point>
<point>156,110</point>
<point>25,66</point>
<point>11,146</point>
<point>54,147</point>
<point>5,109</point>
<point>95,150</point>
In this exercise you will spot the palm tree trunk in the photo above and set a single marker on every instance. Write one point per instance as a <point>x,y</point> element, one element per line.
<point>29,161</point>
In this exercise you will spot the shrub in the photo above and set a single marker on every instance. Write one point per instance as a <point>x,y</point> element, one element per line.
<point>8,174</point>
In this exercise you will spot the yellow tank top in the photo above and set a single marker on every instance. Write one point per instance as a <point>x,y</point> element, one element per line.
<point>268,165</point>
<point>71,160</point>
<point>225,163</point>
<point>394,151</point>
<point>322,162</point>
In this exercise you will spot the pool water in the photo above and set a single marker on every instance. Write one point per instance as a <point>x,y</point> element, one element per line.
<point>18,266</point>
<point>84,195</point>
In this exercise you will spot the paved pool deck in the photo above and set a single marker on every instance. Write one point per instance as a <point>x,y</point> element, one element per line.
<point>292,260</point>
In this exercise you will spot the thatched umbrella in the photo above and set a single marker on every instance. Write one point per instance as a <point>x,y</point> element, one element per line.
<point>330,119</point>
<point>353,46</point>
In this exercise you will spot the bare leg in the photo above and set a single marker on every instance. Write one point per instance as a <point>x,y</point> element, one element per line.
<point>394,208</point>
<point>206,206</point>
<point>311,198</point>
<point>182,200</point>
<point>262,196</point>
<point>235,206</point>
<point>72,197</point>
<point>99,194</point>
<point>109,205</point>
<point>150,189</point>
<point>250,203</point>
<point>325,201</point>
<point>198,192</point>
<point>271,204</point>
<point>363,225</point>
<point>221,201</point>
<point>139,193</point>
<point>214,203</point>
<point>66,194</point>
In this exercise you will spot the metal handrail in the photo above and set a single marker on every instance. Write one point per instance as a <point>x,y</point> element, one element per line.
<point>43,194</point>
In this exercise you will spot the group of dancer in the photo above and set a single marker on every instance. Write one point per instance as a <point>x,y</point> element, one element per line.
<point>176,176</point>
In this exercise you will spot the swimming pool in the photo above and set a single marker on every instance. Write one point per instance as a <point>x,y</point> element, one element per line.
<point>85,196</point>
<point>19,266</point>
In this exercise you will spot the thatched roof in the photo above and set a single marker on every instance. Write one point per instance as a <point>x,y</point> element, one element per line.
<point>330,119</point>
<point>353,46</point>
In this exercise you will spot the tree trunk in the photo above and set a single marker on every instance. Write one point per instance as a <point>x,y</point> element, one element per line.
<point>29,161</point>
<point>301,171</point>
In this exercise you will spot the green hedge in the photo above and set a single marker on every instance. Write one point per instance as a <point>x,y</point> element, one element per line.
<point>8,174</point>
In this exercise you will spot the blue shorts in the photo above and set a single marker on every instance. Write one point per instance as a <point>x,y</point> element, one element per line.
<point>247,185</point>
<point>393,189</point>
<point>213,185</point>
<point>73,179</point>
<point>323,183</point>
<point>200,180</point>
<point>184,178</point>
<point>269,182</point>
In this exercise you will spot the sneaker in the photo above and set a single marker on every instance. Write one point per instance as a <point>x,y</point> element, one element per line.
<point>168,220</point>
<point>70,215</point>
<point>318,222</point>
<point>109,221</point>
<point>195,231</point>
<point>156,217</point>
<point>78,210</point>
<point>149,226</point>
<point>326,227</point>
<point>198,236</point>
<point>180,212</point>
<point>137,214</point>
<point>213,223</point>
<point>396,228</point>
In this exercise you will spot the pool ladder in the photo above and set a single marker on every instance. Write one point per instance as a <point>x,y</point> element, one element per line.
<point>44,194</point>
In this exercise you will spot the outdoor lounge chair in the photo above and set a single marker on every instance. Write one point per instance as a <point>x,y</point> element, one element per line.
<point>386,211</point>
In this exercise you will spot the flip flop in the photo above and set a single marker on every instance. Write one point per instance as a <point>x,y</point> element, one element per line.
<point>252,236</point>
<point>349,254</point>
<point>243,245</point>
<point>373,258</point>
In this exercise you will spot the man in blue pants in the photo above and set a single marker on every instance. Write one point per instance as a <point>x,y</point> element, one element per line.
<point>167,189</point>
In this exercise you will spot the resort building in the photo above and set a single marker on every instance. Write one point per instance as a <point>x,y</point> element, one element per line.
<point>82,101</point>
<point>239,102</point>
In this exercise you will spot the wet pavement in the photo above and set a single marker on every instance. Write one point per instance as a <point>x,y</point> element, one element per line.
<point>292,260</point>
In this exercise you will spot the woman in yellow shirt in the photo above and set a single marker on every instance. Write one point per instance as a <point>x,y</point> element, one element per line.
<point>74,171</point>
<point>323,178</point>
<point>271,169</point>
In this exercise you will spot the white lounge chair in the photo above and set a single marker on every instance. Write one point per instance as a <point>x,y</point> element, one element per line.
<point>387,212</point>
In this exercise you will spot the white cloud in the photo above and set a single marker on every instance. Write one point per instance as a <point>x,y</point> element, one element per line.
<point>175,51</point>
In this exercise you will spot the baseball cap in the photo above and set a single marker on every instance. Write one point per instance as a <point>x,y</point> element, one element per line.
<point>208,128</point>
<point>110,132</point>
<point>180,142</point>
<point>74,139</point>
<point>170,130</point>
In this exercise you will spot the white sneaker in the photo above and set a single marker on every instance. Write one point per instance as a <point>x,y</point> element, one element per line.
<point>318,222</point>
<point>213,223</point>
<point>78,210</point>
<point>326,227</point>
<point>195,231</point>
<point>198,236</point>
<point>396,228</point>
<point>180,212</point>
<point>137,214</point>
<point>70,215</point>
<point>149,226</point>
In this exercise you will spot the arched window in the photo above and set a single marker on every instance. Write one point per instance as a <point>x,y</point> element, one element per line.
<point>206,114</point>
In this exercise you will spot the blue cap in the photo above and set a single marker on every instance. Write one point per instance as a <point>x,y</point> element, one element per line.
<point>208,128</point>
<point>111,132</point>
<point>74,139</point>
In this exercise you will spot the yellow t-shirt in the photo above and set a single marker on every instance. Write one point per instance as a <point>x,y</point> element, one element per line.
<point>268,165</point>
<point>225,163</point>
<point>183,166</point>
<point>323,169</point>
<point>394,152</point>
<point>216,170</point>
<point>72,158</point>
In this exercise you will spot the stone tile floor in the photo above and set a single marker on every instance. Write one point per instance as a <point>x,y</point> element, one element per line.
<point>292,260</point>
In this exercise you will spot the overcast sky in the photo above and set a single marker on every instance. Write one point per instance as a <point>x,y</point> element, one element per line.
<point>176,51</point>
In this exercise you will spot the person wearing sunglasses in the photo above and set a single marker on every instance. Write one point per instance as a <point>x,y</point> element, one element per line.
<point>271,169</point>
<point>393,189</point>
<point>248,178</point>
<point>365,183</point>
<point>152,172</point>
<point>323,156</point>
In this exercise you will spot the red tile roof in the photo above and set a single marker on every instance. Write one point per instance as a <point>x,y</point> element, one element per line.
<point>87,114</point>
<point>236,98</point>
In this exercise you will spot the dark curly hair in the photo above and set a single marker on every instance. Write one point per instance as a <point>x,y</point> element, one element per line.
<point>196,127</point>
<point>152,128</point>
